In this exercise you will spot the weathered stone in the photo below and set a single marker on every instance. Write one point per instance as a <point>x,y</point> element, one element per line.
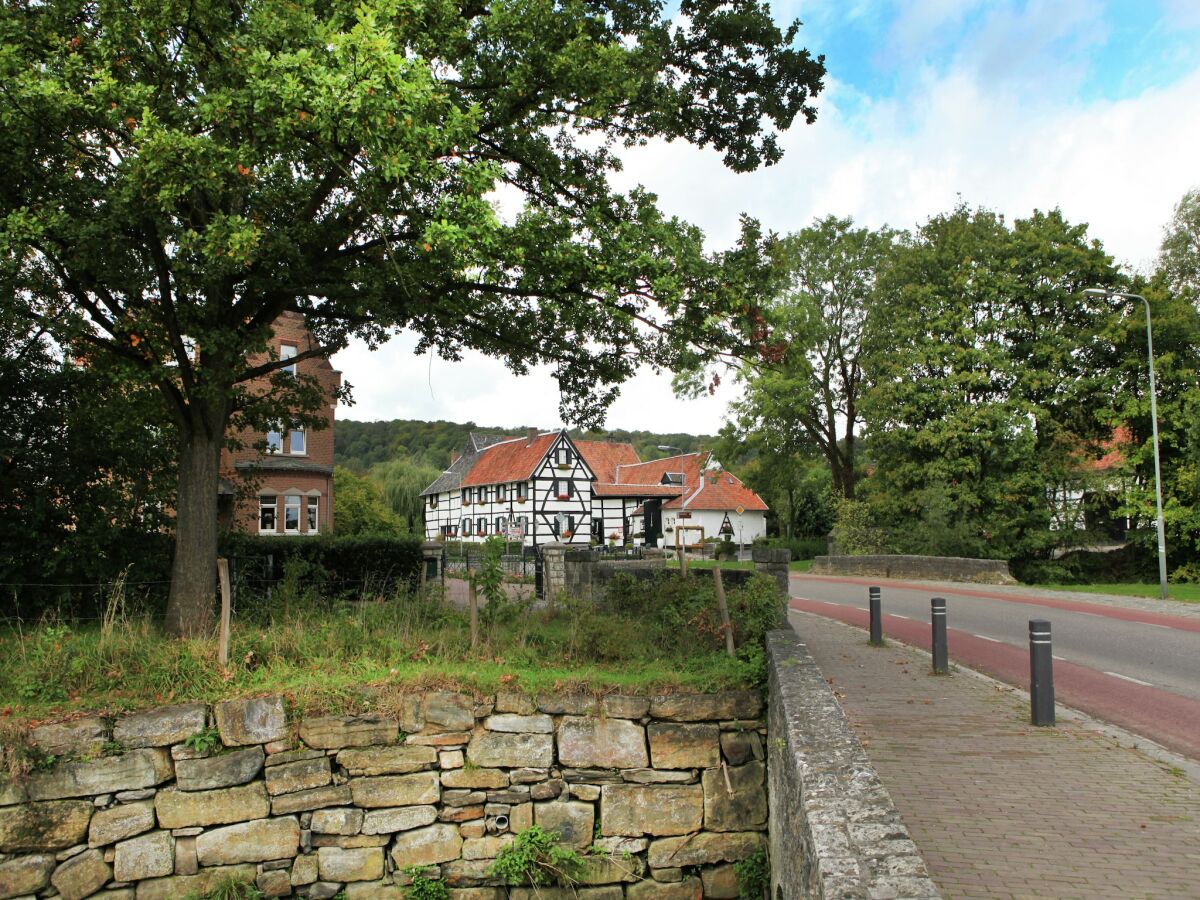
<point>186,861</point>
<point>135,769</point>
<point>589,793</point>
<point>118,893</point>
<point>469,873</point>
<point>149,856</point>
<point>702,707</point>
<point>125,820</point>
<point>688,889</point>
<point>161,727</point>
<point>441,739</point>
<point>403,818</point>
<point>677,746</point>
<point>739,747</point>
<point>512,794</point>
<point>656,776</point>
<point>220,771</point>
<point>498,749</point>
<point>520,817</point>
<point>514,724</point>
<point>184,809</point>
<point>746,808</point>
<point>397,760</point>
<point>621,846</point>
<point>486,847</point>
<point>568,704</point>
<point>79,737</point>
<point>298,776</point>
<point>186,832</point>
<point>463,798</point>
<point>514,702</point>
<point>574,822</point>
<point>80,876</point>
<point>335,732</point>
<point>374,890</point>
<point>460,814</point>
<point>198,885</point>
<point>26,875</point>
<point>63,855</point>
<point>720,883</point>
<point>135,796</point>
<point>256,721</point>
<point>619,706</point>
<point>36,827</point>
<point>305,870</point>
<point>317,798</point>
<point>336,864</point>
<point>587,741</point>
<point>324,890</point>
<point>667,876</point>
<point>528,775</point>
<point>350,841</point>
<point>249,842</point>
<point>290,756</point>
<point>705,848</point>
<point>612,869</point>
<point>451,759</point>
<point>396,790</point>
<point>607,892</point>
<point>407,708</point>
<point>634,809</point>
<point>592,776</point>
<point>274,883</point>
<point>470,830</point>
<point>11,792</point>
<point>342,820</point>
<point>427,846</point>
<point>445,711</point>
<point>477,893</point>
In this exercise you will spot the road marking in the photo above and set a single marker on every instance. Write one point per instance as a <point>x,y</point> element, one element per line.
<point>1127,678</point>
<point>1060,658</point>
<point>898,616</point>
<point>992,639</point>
<point>1156,625</point>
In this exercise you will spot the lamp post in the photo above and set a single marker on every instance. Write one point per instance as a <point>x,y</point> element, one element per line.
<point>1162,539</point>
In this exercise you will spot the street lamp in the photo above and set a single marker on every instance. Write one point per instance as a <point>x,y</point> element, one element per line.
<point>678,450</point>
<point>1162,539</point>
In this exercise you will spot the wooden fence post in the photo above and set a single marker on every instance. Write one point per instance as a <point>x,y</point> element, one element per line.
<point>223,638</point>
<point>721,605</point>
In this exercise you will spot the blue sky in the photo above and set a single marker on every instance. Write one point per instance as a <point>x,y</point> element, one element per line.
<point>1015,105</point>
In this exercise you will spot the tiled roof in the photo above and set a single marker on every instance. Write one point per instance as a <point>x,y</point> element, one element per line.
<point>652,472</point>
<point>719,490</point>
<point>602,489</point>
<point>512,460</point>
<point>603,457</point>
<point>452,478</point>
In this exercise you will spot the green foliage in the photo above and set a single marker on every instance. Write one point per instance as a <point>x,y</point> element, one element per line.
<point>490,577</point>
<point>229,888</point>
<point>423,887</point>
<point>537,857</point>
<point>753,876</point>
<point>855,532</point>
<point>359,508</point>
<point>204,741</point>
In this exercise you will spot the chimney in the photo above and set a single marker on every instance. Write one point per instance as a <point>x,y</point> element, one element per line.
<point>531,437</point>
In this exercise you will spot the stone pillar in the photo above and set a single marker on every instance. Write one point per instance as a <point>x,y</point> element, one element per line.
<point>554,570</point>
<point>773,561</point>
<point>432,571</point>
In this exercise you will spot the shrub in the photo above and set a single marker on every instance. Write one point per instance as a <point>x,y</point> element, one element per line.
<point>753,876</point>
<point>537,857</point>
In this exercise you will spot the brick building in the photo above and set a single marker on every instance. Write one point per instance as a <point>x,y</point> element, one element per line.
<point>289,489</point>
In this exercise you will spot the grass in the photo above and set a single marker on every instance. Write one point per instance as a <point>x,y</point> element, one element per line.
<point>362,656</point>
<point>1187,593</point>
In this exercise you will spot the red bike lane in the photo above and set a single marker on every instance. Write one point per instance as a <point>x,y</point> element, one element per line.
<point>1166,718</point>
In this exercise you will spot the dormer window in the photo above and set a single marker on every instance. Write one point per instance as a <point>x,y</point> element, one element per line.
<point>288,351</point>
<point>562,455</point>
<point>672,478</point>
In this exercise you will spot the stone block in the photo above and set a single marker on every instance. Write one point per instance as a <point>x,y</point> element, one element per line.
<point>477,893</point>
<point>303,775</point>
<point>592,776</point>
<point>460,814</point>
<point>134,796</point>
<point>702,707</point>
<point>161,727</point>
<point>125,820</point>
<point>746,808</point>
<point>149,856</point>
<point>37,827</point>
<point>324,890</point>
<point>571,820</point>
<point>486,847</point>
<point>350,841</point>
<point>470,830</point>
<point>290,756</point>
<point>688,889</point>
<point>129,771</point>
<point>274,883</point>
<point>621,846</point>
<point>568,704</point>
<point>463,798</point>
<point>186,861</point>
<point>26,874</point>
<point>427,846</point>
<point>515,702</point>
<point>317,798</point>
<point>589,793</point>
<point>468,873</point>
<point>612,870</point>
<point>418,789</point>
<point>514,724</point>
<point>705,848</point>
<point>397,760</point>
<point>634,809</point>
<point>336,732</point>
<point>720,882</point>
<point>528,775</point>
<point>198,885</point>
<point>185,809</point>
<point>255,841</point>
<point>608,892</point>
<point>441,739</point>
<point>496,749</point>
<point>739,747</point>
<point>79,737</point>
<point>11,792</point>
<point>684,746</point>
<point>520,817</point>
<point>259,720</point>
<point>342,820</point>
<point>609,743</point>
<point>445,711</point>
<point>374,890</point>
<point>547,790</point>
<point>657,776</point>
<point>220,771</point>
<point>336,864</point>
<point>619,706</point>
<point>667,876</point>
<point>305,870</point>
<point>451,759</point>
<point>402,818</point>
<point>80,876</point>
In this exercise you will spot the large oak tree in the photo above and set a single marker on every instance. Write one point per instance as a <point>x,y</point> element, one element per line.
<point>178,173</point>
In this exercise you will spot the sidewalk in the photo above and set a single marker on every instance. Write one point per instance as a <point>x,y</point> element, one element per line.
<point>997,807</point>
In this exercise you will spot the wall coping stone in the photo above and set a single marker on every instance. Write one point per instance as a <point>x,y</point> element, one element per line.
<point>938,568</point>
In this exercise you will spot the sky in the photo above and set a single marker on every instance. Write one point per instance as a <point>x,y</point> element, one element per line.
<point>1092,107</point>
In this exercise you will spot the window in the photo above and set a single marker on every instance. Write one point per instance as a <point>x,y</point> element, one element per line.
<point>564,525</point>
<point>501,492</point>
<point>519,490</point>
<point>562,456</point>
<point>433,501</point>
<point>466,496</point>
<point>314,508</point>
<point>267,510</point>
<point>275,440</point>
<point>288,351</point>
<point>481,526</point>
<point>500,523</point>
<point>466,526</point>
<point>519,521</point>
<point>297,442</point>
<point>563,488</point>
<point>291,513</point>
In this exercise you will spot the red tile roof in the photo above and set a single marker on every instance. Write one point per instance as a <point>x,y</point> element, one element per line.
<point>513,460</point>
<point>652,472</point>
<point>719,490</point>
<point>603,457</point>
<point>602,489</point>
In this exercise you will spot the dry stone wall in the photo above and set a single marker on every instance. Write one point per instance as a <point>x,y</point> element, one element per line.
<point>661,794</point>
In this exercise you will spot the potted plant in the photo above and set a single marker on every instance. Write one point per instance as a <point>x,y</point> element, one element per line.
<point>564,496</point>
<point>568,534</point>
<point>521,499</point>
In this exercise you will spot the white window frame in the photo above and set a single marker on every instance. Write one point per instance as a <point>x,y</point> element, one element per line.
<point>303,451</point>
<point>312,515</point>
<point>288,351</point>
<point>466,496</point>
<point>275,446</point>
<point>481,526</point>
<point>465,525</point>
<point>502,493</point>
<point>268,501</point>
<point>292,501</point>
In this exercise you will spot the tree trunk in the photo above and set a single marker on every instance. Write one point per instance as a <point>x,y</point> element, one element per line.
<point>190,607</point>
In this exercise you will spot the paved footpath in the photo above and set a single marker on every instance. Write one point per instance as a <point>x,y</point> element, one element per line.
<point>999,808</point>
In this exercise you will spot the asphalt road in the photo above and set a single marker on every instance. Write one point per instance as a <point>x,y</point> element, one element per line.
<point>1135,668</point>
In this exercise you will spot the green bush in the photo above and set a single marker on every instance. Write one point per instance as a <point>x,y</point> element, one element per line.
<point>1130,564</point>
<point>801,547</point>
<point>537,857</point>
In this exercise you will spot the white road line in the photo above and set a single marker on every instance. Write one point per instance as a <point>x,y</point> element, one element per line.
<point>898,616</point>
<point>992,639</point>
<point>1127,678</point>
<point>1060,658</point>
<point>1156,625</point>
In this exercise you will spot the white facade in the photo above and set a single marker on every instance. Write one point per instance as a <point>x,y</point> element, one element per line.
<point>746,527</point>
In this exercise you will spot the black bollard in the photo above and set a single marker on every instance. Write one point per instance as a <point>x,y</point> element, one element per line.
<point>876,617</point>
<point>941,665</point>
<point>1041,673</point>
